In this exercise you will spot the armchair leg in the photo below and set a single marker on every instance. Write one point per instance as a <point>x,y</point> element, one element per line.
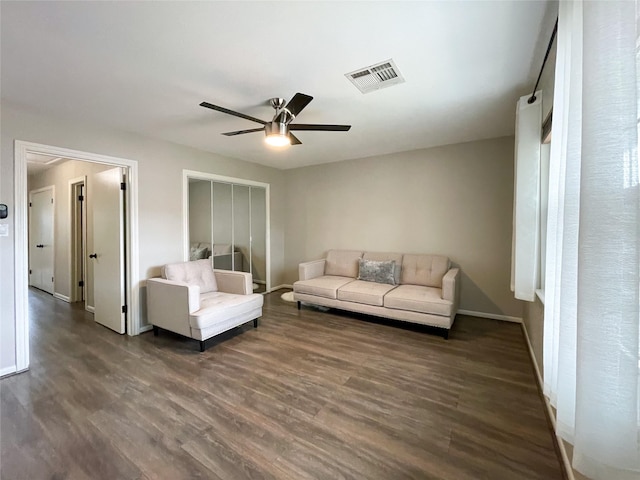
<point>201,345</point>
<point>445,335</point>
<point>255,323</point>
<point>155,331</point>
<point>299,305</point>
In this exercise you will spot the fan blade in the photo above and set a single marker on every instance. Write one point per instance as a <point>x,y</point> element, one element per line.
<point>231,112</point>
<point>324,128</point>
<point>297,103</point>
<point>294,139</point>
<point>241,132</point>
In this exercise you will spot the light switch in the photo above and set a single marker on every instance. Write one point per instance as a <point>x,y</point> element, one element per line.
<point>4,229</point>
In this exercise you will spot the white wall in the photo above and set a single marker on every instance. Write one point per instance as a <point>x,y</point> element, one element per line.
<point>160,195</point>
<point>454,200</point>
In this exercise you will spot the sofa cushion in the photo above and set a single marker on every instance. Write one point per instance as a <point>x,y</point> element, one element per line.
<point>378,272</point>
<point>417,298</point>
<point>426,270</point>
<point>342,263</point>
<point>326,286</point>
<point>385,256</point>
<point>360,291</point>
<point>216,307</point>
<point>198,273</point>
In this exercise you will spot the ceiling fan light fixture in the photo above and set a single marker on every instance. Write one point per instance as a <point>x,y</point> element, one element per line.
<point>277,134</point>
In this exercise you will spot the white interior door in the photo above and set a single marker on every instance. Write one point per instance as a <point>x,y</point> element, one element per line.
<point>41,211</point>
<point>108,249</point>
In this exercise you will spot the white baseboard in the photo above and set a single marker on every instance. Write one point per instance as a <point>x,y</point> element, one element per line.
<point>64,298</point>
<point>533,358</point>
<point>89,308</point>
<point>492,316</point>
<point>146,328</point>
<point>280,287</point>
<point>563,451</point>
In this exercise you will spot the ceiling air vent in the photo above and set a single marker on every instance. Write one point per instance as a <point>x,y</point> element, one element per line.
<point>375,77</point>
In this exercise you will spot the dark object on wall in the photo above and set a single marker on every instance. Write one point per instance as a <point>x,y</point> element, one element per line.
<point>546,55</point>
<point>4,211</point>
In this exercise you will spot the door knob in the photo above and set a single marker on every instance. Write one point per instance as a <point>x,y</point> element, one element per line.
<point>93,255</point>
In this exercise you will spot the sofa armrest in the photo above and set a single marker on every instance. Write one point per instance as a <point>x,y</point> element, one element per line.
<point>309,270</point>
<point>169,304</point>
<point>240,283</point>
<point>450,285</point>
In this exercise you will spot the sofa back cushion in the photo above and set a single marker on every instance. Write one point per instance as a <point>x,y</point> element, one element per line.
<point>426,270</point>
<point>198,273</point>
<point>385,257</point>
<point>342,263</point>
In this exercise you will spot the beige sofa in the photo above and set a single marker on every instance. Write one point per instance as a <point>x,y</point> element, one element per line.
<point>421,289</point>
<point>196,301</point>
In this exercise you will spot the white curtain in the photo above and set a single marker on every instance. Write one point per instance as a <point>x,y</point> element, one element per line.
<point>525,249</point>
<point>592,301</point>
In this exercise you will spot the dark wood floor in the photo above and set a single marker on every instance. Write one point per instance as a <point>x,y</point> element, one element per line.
<point>307,395</point>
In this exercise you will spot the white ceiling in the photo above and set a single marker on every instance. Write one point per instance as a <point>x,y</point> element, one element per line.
<point>38,163</point>
<point>145,66</point>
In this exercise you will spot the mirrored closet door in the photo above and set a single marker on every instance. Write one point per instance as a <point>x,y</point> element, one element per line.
<point>227,222</point>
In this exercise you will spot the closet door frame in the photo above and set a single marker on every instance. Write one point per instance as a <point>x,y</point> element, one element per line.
<point>192,174</point>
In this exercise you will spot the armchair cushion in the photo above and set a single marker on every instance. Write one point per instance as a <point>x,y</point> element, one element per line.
<point>216,307</point>
<point>198,272</point>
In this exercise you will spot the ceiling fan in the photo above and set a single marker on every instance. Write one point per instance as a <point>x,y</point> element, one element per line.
<point>278,130</point>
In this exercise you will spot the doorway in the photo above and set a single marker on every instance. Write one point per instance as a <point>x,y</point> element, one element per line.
<point>78,241</point>
<point>41,238</point>
<point>129,258</point>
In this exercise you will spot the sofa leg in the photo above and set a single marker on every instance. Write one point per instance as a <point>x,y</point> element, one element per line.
<point>255,323</point>
<point>445,335</point>
<point>155,331</point>
<point>202,345</point>
<point>299,305</point>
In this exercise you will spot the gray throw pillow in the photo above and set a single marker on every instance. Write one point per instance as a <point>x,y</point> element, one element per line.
<point>197,253</point>
<point>379,272</point>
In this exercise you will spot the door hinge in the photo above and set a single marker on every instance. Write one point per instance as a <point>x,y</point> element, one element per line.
<point>123,186</point>
<point>52,279</point>
<point>52,200</point>
<point>30,271</point>
<point>124,309</point>
<point>30,204</point>
<point>81,198</point>
<point>81,283</point>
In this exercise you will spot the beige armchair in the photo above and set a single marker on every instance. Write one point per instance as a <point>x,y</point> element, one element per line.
<point>194,300</point>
